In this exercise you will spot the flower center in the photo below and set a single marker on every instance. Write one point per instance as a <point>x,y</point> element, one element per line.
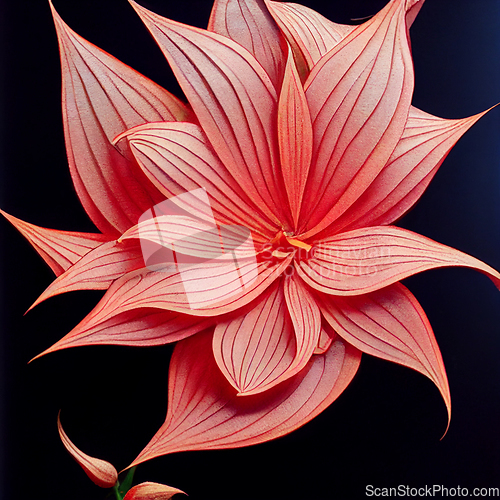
<point>283,244</point>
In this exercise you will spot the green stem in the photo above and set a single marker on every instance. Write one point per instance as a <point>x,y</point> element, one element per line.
<point>117,492</point>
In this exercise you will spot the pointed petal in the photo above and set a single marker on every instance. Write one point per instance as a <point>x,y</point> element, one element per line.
<point>295,138</point>
<point>359,95</point>
<point>390,324</point>
<point>151,491</point>
<point>204,411</point>
<point>99,471</point>
<point>309,34</point>
<point>177,159</point>
<point>249,24</point>
<point>255,349</point>
<point>102,97</point>
<point>234,101</point>
<point>59,249</point>
<point>425,144</point>
<point>97,269</point>
<point>142,327</point>
<point>125,309</point>
<point>365,260</point>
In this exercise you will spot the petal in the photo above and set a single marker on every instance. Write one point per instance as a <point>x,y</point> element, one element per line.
<point>306,319</point>
<point>204,411</point>
<point>295,138</point>
<point>59,249</point>
<point>425,144</point>
<point>188,237</point>
<point>390,324</point>
<point>255,349</point>
<point>309,34</point>
<point>99,471</point>
<point>101,98</point>
<point>359,95</point>
<point>97,269</point>
<point>112,321</point>
<point>177,159</point>
<point>234,101</point>
<point>249,24</point>
<point>151,491</point>
<point>325,339</point>
<point>142,327</point>
<point>365,260</point>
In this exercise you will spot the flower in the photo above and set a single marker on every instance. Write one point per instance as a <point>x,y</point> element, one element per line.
<point>315,150</point>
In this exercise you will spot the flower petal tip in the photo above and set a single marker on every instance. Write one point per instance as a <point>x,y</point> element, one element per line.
<point>101,473</point>
<point>152,491</point>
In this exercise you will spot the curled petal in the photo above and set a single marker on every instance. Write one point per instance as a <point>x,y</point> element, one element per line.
<point>425,144</point>
<point>99,471</point>
<point>359,96</point>
<point>59,249</point>
<point>390,324</point>
<point>151,491</point>
<point>96,270</point>
<point>205,412</point>
<point>103,97</point>
<point>365,260</point>
<point>249,24</point>
<point>234,101</point>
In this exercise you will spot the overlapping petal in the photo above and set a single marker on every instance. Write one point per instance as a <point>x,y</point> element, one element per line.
<point>97,269</point>
<point>390,324</point>
<point>364,260</point>
<point>177,159</point>
<point>205,411</point>
<point>359,96</point>
<point>249,23</point>
<point>235,103</point>
<point>140,327</point>
<point>151,491</point>
<point>425,144</point>
<point>59,249</point>
<point>102,97</point>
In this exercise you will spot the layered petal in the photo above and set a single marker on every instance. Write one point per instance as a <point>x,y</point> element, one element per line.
<point>309,34</point>
<point>151,491</point>
<point>139,328</point>
<point>365,260</point>
<point>102,97</point>
<point>205,412</point>
<point>390,324</point>
<point>256,349</point>
<point>425,144</point>
<point>359,96</point>
<point>97,269</point>
<point>235,103</point>
<point>99,471</point>
<point>295,136</point>
<point>177,159</point>
<point>59,249</point>
<point>249,23</point>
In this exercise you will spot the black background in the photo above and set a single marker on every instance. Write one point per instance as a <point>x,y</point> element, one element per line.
<point>385,429</point>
